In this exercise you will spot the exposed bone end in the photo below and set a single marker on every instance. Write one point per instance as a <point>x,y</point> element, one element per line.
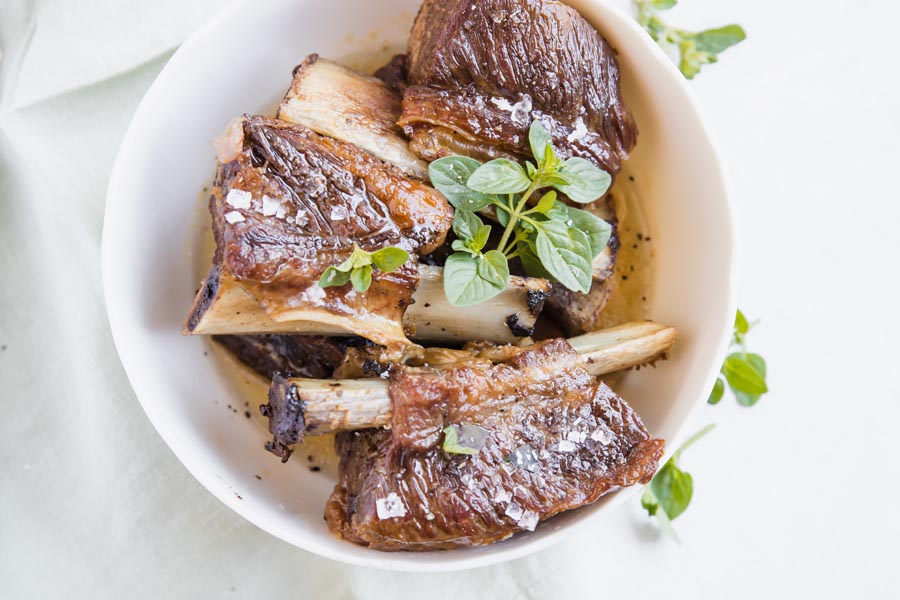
<point>286,419</point>
<point>314,406</point>
<point>228,144</point>
<point>341,103</point>
<point>223,307</point>
<point>299,407</point>
<point>624,347</point>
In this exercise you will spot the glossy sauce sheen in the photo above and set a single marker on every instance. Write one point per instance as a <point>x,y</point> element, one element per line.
<point>470,63</point>
<point>586,441</point>
<point>329,195</point>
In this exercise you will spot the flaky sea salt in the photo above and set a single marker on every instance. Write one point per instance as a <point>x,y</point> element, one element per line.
<point>271,206</point>
<point>502,104</point>
<point>514,512</point>
<point>238,198</point>
<point>529,520</point>
<point>339,213</point>
<point>576,436</point>
<point>602,435</point>
<point>502,496</point>
<point>521,111</point>
<point>579,132</point>
<point>390,507</point>
<point>234,217</point>
<point>566,446</point>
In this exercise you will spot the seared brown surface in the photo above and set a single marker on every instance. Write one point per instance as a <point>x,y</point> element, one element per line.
<point>288,203</point>
<point>471,62</point>
<point>313,356</point>
<point>586,442</point>
<point>394,73</point>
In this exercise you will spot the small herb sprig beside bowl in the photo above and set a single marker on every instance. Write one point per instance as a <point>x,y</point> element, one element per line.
<point>745,372</point>
<point>670,492</point>
<point>553,240</point>
<point>693,49</point>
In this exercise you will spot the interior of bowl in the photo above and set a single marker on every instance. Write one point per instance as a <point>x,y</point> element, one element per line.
<point>241,62</point>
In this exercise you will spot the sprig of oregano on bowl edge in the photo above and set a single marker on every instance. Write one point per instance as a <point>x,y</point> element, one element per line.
<point>553,240</point>
<point>690,50</point>
<point>358,268</point>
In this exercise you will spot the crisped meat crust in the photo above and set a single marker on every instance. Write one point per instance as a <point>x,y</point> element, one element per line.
<point>394,72</point>
<point>288,203</point>
<point>469,61</point>
<point>587,442</point>
<point>313,356</point>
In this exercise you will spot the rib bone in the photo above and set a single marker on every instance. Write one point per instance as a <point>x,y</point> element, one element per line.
<point>338,102</point>
<point>299,407</point>
<point>223,307</point>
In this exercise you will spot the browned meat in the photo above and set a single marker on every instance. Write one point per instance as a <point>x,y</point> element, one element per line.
<point>481,71</point>
<point>288,203</point>
<point>554,439</point>
<point>360,397</point>
<point>313,356</point>
<point>394,73</point>
<point>579,313</point>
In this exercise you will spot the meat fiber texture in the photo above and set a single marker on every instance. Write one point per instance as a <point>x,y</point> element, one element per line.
<point>288,203</point>
<point>312,356</point>
<point>556,440</point>
<point>481,71</point>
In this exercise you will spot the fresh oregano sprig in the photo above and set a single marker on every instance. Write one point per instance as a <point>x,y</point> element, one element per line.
<point>553,240</point>
<point>669,494</point>
<point>692,49</point>
<point>358,268</point>
<point>743,371</point>
<point>671,490</point>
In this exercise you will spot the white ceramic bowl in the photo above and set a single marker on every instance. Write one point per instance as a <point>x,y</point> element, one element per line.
<point>240,62</point>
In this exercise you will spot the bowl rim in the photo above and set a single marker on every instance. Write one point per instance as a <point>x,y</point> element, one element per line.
<point>395,561</point>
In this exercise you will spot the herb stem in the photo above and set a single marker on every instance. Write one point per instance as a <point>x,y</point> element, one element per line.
<point>515,214</point>
<point>691,440</point>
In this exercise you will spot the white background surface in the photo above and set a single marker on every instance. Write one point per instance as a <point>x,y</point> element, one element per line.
<point>793,497</point>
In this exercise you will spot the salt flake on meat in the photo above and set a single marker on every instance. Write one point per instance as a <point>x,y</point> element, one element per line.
<point>529,520</point>
<point>238,198</point>
<point>521,111</point>
<point>234,217</point>
<point>502,104</point>
<point>579,132</point>
<point>390,507</point>
<point>271,206</point>
<point>339,213</point>
<point>514,512</point>
<point>566,446</point>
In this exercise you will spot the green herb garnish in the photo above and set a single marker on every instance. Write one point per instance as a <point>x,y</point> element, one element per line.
<point>745,372</point>
<point>670,492</point>
<point>553,240</point>
<point>464,439</point>
<point>692,49</point>
<point>358,268</point>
